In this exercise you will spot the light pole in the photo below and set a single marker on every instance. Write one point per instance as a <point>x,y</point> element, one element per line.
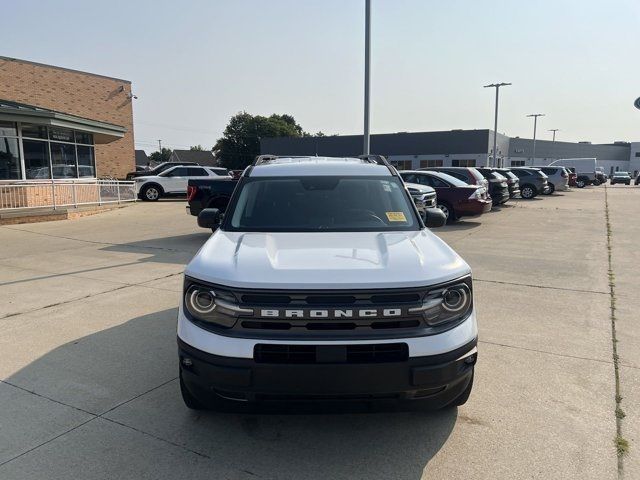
<point>554,130</point>
<point>535,124</point>
<point>367,80</point>
<point>495,123</point>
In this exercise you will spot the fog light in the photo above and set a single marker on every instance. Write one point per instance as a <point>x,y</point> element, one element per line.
<point>470,360</point>
<point>187,362</point>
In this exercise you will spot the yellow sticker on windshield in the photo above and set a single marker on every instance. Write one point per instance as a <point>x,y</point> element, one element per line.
<point>396,217</point>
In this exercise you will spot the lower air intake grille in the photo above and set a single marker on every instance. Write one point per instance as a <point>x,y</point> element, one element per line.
<point>309,354</point>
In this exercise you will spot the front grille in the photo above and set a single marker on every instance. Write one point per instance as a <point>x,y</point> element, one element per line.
<point>310,354</point>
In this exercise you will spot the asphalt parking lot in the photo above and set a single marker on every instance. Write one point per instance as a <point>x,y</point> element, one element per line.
<point>89,365</point>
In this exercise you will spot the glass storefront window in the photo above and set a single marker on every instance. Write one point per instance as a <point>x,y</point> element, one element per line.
<point>63,160</point>
<point>61,134</point>
<point>86,162</point>
<point>34,131</point>
<point>36,159</point>
<point>83,137</point>
<point>8,129</point>
<point>9,159</point>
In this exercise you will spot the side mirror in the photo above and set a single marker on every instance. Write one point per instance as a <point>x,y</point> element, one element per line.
<point>209,218</point>
<point>434,218</point>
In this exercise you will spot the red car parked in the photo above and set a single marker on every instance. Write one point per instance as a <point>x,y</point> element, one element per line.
<point>454,197</point>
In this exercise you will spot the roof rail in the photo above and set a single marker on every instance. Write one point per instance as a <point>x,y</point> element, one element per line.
<point>261,159</point>
<point>378,159</point>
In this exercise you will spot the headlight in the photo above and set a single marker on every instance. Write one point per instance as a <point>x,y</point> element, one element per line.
<point>206,304</point>
<point>446,304</point>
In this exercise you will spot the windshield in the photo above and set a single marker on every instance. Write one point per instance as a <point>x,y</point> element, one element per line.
<point>324,203</point>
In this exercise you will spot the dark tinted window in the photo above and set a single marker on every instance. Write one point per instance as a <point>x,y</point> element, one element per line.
<point>177,172</point>
<point>9,158</point>
<point>549,171</point>
<point>34,131</point>
<point>83,137</point>
<point>36,159</point>
<point>196,172</point>
<point>61,134</point>
<point>86,161</point>
<point>459,174</point>
<point>8,128</point>
<point>322,204</point>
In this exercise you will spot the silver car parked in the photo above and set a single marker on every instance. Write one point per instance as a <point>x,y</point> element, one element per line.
<point>558,179</point>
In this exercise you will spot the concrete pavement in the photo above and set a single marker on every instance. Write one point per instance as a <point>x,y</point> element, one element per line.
<point>89,390</point>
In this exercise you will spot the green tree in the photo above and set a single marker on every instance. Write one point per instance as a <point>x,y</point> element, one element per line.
<point>240,142</point>
<point>161,156</point>
<point>197,148</point>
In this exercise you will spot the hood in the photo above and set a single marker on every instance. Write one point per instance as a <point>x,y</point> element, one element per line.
<point>326,260</point>
<point>416,188</point>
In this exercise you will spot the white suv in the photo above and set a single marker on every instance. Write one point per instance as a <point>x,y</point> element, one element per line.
<point>173,181</point>
<point>322,282</point>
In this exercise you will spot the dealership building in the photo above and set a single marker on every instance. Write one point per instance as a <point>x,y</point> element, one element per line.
<point>57,123</point>
<point>459,148</point>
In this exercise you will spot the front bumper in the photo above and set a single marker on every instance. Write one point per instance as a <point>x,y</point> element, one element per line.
<point>436,380</point>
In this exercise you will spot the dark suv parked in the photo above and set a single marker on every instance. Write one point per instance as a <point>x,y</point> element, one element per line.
<point>512,181</point>
<point>454,197</point>
<point>498,187</point>
<point>532,181</point>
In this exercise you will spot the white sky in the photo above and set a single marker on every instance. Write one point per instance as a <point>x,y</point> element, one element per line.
<point>194,64</point>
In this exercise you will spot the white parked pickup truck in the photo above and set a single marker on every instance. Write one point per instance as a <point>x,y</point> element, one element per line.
<point>322,282</point>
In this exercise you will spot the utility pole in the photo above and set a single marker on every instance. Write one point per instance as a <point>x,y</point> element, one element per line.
<point>554,130</point>
<point>160,146</point>
<point>495,123</point>
<point>367,75</point>
<point>535,124</point>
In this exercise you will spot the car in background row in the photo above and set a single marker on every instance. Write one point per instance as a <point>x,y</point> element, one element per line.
<point>469,175</point>
<point>637,182</point>
<point>513,182</point>
<point>621,177</point>
<point>455,198</point>
<point>158,169</point>
<point>173,181</point>
<point>498,186</point>
<point>423,196</point>
<point>532,181</point>
<point>557,178</point>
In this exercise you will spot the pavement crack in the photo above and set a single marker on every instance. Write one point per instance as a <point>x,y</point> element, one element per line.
<point>546,352</point>
<point>621,444</point>
<point>26,390</point>
<point>517,284</point>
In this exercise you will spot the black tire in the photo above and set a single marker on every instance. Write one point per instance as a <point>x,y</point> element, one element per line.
<point>448,211</point>
<point>580,183</point>
<point>464,396</point>
<point>151,193</point>
<point>528,191</point>
<point>597,182</point>
<point>189,399</point>
<point>551,189</point>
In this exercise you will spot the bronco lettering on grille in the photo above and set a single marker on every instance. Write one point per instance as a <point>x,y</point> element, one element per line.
<point>323,313</point>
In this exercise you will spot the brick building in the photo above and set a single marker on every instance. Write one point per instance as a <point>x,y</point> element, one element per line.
<point>62,123</point>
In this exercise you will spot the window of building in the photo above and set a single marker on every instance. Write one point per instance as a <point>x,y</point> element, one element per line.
<point>86,161</point>
<point>9,152</point>
<point>430,163</point>
<point>463,163</point>
<point>36,159</point>
<point>61,134</point>
<point>63,160</point>
<point>84,137</point>
<point>517,163</point>
<point>402,164</point>
<point>9,159</point>
<point>637,154</point>
<point>34,131</point>
<point>8,129</point>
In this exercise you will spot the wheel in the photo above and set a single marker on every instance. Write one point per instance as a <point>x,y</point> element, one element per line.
<point>528,191</point>
<point>551,189</point>
<point>189,400</point>
<point>151,193</point>
<point>448,212</point>
<point>464,396</point>
<point>581,183</point>
<point>597,182</point>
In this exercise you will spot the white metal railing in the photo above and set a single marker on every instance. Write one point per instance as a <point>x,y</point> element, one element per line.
<point>23,194</point>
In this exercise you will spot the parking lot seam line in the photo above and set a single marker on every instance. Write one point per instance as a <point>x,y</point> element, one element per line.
<point>32,392</point>
<point>137,396</point>
<point>121,287</point>
<point>621,444</point>
<point>96,242</point>
<point>47,441</point>
<point>546,352</point>
<point>77,272</point>
<point>9,315</point>
<point>577,290</point>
